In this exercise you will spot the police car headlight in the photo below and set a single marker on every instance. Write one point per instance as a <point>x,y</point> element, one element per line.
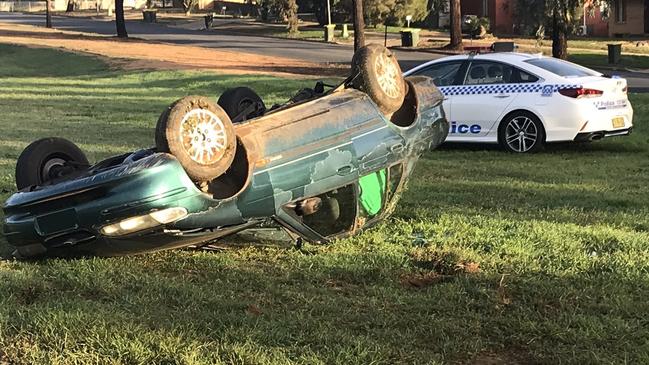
<point>141,222</point>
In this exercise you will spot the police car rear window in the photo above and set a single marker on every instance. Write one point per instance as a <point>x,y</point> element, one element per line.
<point>561,68</point>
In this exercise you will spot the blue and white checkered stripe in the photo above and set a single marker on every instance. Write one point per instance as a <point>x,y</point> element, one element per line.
<point>505,89</point>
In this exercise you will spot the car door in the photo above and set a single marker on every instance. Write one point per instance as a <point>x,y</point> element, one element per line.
<point>447,76</point>
<point>488,88</point>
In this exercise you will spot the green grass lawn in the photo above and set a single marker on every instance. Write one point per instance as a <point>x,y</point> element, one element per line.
<point>489,256</point>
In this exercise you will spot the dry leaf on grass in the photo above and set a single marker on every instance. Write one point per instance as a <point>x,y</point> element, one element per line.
<point>254,310</point>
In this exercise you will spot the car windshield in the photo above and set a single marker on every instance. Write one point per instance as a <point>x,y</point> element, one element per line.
<point>561,68</point>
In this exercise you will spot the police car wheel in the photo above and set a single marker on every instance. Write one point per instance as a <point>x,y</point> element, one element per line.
<point>377,73</point>
<point>199,134</point>
<point>521,132</point>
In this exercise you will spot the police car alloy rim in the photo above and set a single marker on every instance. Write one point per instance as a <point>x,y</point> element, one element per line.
<point>521,134</point>
<point>387,75</point>
<point>203,136</point>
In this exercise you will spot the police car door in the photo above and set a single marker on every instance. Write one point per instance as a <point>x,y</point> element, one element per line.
<point>480,102</point>
<point>446,76</point>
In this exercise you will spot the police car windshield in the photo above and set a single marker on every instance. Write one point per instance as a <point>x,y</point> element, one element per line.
<point>561,68</point>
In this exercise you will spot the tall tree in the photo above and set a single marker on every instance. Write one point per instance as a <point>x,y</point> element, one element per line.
<point>119,19</point>
<point>290,12</point>
<point>456,26</point>
<point>48,14</point>
<point>359,25</point>
<point>563,18</point>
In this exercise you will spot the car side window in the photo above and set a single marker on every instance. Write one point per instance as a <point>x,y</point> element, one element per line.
<point>335,212</point>
<point>485,72</point>
<point>443,74</point>
<point>524,77</point>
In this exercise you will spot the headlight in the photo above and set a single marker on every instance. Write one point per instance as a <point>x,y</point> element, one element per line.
<point>141,222</point>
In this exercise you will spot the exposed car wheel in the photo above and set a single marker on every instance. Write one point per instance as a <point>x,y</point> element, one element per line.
<point>377,73</point>
<point>237,100</point>
<point>47,159</point>
<point>521,132</point>
<point>199,134</point>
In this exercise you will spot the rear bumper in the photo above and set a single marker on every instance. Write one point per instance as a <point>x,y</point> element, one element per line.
<point>597,135</point>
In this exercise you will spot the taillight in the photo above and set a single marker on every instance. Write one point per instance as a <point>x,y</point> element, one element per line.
<point>580,92</point>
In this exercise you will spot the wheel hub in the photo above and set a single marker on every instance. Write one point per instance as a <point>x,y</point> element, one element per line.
<point>521,134</point>
<point>52,167</point>
<point>387,75</point>
<point>203,136</point>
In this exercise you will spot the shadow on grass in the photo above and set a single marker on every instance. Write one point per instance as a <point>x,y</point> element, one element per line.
<point>311,306</point>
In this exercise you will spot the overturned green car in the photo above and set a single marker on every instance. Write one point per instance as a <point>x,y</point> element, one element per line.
<point>324,165</point>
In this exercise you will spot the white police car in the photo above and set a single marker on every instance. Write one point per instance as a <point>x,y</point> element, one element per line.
<point>522,101</point>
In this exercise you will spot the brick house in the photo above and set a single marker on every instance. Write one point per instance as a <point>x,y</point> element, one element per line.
<point>499,12</point>
<point>625,17</point>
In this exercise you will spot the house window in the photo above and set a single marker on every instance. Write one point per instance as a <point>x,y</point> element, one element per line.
<point>620,11</point>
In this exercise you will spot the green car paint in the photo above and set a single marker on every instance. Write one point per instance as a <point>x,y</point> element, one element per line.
<point>328,148</point>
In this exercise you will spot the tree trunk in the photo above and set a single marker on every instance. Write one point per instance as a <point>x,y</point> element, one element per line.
<point>359,25</point>
<point>291,15</point>
<point>119,19</point>
<point>559,37</point>
<point>48,14</point>
<point>456,27</point>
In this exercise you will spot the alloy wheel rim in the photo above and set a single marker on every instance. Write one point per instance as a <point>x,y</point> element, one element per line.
<point>203,136</point>
<point>387,75</point>
<point>521,134</point>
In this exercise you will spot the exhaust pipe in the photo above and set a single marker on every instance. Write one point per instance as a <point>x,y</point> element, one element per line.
<point>596,136</point>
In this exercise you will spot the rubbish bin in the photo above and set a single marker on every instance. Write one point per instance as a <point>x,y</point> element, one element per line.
<point>345,31</point>
<point>410,37</point>
<point>149,16</point>
<point>614,53</point>
<point>329,32</point>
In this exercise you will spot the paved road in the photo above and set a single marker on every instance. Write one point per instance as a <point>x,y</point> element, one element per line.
<point>308,51</point>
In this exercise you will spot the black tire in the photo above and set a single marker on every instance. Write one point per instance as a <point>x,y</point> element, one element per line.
<point>47,159</point>
<point>532,138</point>
<point>377,73</point>
<point>234,101</point>
<point>204,154</point>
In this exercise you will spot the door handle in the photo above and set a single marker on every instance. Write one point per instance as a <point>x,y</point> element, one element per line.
<point>396,148</point>
<point>345,170</point>
<point>502,96</point>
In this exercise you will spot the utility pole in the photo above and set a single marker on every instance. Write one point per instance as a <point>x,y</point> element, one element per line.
<point>329,12</point>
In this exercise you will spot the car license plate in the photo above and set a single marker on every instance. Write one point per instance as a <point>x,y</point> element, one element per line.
<point>618,122</point>
<point>61,221</point>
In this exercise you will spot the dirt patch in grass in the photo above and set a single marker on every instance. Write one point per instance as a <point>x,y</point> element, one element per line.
<point>136,54</point>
